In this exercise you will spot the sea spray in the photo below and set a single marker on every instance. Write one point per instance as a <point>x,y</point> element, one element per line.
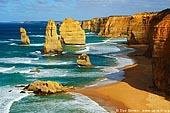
<point>5,69</point>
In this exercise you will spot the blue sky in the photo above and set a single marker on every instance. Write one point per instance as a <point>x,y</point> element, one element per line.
<point>43,10</point>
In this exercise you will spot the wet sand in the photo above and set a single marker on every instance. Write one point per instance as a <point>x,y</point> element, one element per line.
<point>135,94</point>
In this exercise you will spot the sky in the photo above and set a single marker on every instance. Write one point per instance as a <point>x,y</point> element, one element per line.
<point>44,10</point>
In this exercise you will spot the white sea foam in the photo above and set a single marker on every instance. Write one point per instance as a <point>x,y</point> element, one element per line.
<point>45,73</point>
<point>9,95</point>
<point>124,61</point>
<point>121,62</point>
<point>37,44</point>
<point>78,103</point>
<point>57,73</point>
<point>13,44</point>
<point>116,72</point>
<point>41,36</point>
<point>86,104</point>
<point>4,69</point>
<point>4,41</point>
<point>46,63</point>
<point>34,61</point>
<point>25,71</point>
<point>17,60</point>
<point>36,53</point>
<point>14,39</point>
<point>49,54</point>
<point>100,47</point>
<point>84,50</point>
<point>103,82</point>
<point>90,34</point>
<point>103,42</point>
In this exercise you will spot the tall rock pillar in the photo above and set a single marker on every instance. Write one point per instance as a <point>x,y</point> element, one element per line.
<point>52,42</point>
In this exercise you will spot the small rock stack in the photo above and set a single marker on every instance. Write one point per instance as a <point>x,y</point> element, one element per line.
<point>47,87</point>
<point>24,38</point>
<point>84,61</point>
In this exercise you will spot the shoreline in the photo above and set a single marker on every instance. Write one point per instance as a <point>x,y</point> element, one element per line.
<point>133,94</point>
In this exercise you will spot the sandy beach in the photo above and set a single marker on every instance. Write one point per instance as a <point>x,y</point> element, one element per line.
<point>135,94</point>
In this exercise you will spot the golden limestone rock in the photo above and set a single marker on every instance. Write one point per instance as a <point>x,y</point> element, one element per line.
<point>24,38</point>
<point>122,26</point>
<point>52,42</point>
<point>84,61</point>
<point>72,33</point>
<point>159,45</point>
<point>86,24</point>
<point>47,87</point>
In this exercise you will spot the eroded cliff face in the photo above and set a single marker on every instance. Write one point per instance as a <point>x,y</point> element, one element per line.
<point>86,24</point>
<point>133,27</point>
<point>159,50</point>
<point>115,26</point>
<point>144,28</point>
<point>71,32</point>
<point>95,25</point>
<point>138,26</point>
<point>52,43</point>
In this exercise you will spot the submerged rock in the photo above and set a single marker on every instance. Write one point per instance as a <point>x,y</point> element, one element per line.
<point>52,42</point>
<point>47,87</point>
<point>24,38</point>
<point>71,32</point>
<point>36,70</point>
<point>84,60</point>
<point>22,92</point>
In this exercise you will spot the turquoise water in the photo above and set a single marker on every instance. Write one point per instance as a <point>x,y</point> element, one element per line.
<point>17,61</point>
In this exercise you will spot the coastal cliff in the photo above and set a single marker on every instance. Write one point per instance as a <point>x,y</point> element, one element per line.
<point>52,43</point>
<point>143,28</point>
<point>72,33</point>
<point>94,25</point>
<point>134,26</point>
<point>159,35</point>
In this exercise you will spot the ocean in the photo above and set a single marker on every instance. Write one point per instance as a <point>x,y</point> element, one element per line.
<point>16,62</point>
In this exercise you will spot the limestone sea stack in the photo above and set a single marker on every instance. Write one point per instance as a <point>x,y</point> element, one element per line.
<point>52,42</point>
<point>47,87</point>
<point>72,33</point>
<point>24,38</point>
<point>84,61</point>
